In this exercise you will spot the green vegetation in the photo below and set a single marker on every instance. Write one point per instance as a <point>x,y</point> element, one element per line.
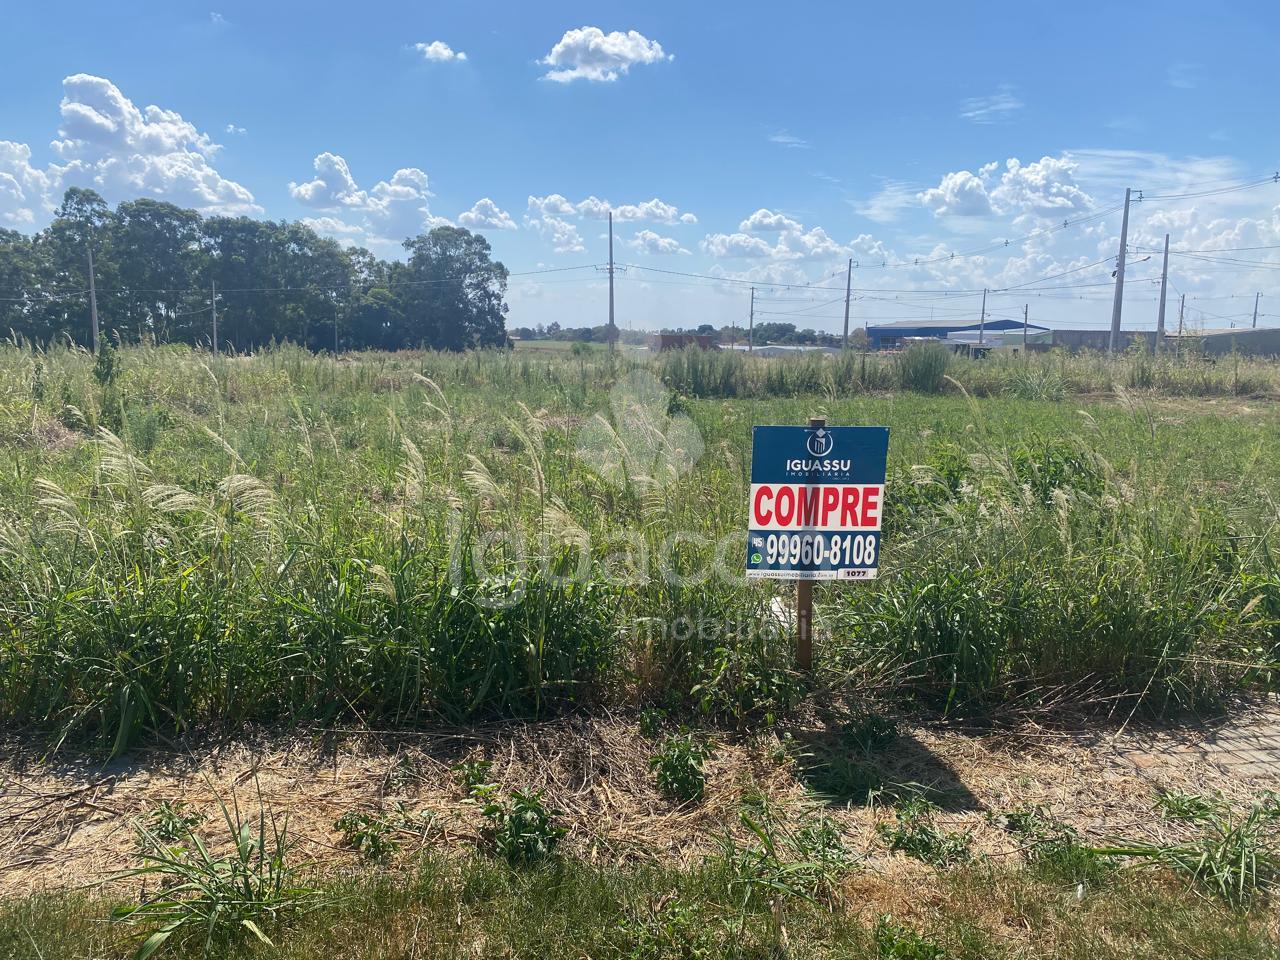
<point>449,908</point>
<point>401,540</point>
<point>678,766</point>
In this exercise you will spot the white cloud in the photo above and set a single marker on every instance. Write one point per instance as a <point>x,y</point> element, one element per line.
<point>236,131</point>
<point>785,139</point>
<point>1044,188</point>
<point>736,245</point>
<point>959,194</point>
<point>588,53</point>
<point>388,212</point>
<point>552,205</point>
<point>887,204</point>
<point>333,186</point>
<point>549,216</point>
<point>999,107</point>
<point>564,235</point>
<point>439,51</point>
<point>646,241</point>
<point>766,221</point>
<point>216,18</point>
<point>110,145</point>
<point>486,213</point>
<point>25,190</point>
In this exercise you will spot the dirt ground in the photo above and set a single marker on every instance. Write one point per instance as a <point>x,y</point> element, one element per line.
<point>68,820</point>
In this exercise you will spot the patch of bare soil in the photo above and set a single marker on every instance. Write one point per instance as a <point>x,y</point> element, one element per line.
<point>68,821</point>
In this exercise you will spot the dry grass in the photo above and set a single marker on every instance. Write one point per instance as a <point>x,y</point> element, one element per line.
<point>68,822</point>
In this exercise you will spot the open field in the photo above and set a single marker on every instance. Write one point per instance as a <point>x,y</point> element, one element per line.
<point>439,546</point>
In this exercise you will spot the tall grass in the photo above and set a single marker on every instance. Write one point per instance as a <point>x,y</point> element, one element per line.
<point>413,538</point>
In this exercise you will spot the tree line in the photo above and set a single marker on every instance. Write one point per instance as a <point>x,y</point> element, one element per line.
<point>155,266</point>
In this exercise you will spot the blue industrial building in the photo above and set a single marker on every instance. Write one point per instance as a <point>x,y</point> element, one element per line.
<point>888,336</point>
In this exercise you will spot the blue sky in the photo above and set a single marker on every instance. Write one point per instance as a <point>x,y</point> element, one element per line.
<point>758,143</point>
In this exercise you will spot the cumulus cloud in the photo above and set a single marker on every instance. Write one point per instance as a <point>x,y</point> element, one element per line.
<point>108,143</point>
<point>25,190</point>
<point>439,51</point>
<point>236,131</point>
<point>646,241</point>
<point>766,221</point>
<point>385,214</point>
<point>487,214</point>
<point>736,245</point>
<point>563,235</point>
<point>1044,188</point>
<point>593,208</point>
<point>588,53</point>
<point>552,216</point>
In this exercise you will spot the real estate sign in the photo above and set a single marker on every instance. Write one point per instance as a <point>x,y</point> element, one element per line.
<point>817,502</point>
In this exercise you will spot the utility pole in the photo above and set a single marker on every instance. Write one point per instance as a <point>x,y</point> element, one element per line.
<point>1256,297</point>
<point>751,322</point>
<point>613,330</point>
<point>848,288</point>
<point>1164,283</point>
<point>213,309</point>
<point>335,330</point>
<point>1182,306</point>
<point>982,321</point>
<point>1119,300</point>
<point>1026,307</point>
<point>93,302</point>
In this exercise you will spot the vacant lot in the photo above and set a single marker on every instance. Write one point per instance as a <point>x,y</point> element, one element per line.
<point>441,545</point>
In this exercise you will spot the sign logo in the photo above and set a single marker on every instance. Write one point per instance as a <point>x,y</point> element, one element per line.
<point>820,443</point>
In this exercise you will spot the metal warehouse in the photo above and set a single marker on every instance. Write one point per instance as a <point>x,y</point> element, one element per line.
<point>886,336</point>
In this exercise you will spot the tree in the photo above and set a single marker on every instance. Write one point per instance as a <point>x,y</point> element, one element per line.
<point>452,296</point>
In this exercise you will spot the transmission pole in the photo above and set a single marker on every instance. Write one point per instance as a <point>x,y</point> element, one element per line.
<point>751,322</point>
<point>1119,300</point>
<point>982,321</point>
<point>1182,306</point>
<point>1164,283</point>
<point>1025,308</point>
<point>93,302</point>
<point>612,333</point>
<point>1256,296</point>
<point>213,309</point>
<point>848,288</point>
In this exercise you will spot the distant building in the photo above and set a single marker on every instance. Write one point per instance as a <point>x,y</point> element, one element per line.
<point>889,336</point>
<point>679,341</point>
<point>1250,341</point>
<point>1074,341</point>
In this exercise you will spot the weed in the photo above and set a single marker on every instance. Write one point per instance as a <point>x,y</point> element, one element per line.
<point>169,823</point>
<point>805,862</point>
<point>472,774</point>
<point>896,942</point>
<point>1054,848</point>
<point>678,765</point>
<point>1236,857</point>
<point>522,831</point>
<point>914,833</point>
<point>369,834</point>
<point>221,897</point>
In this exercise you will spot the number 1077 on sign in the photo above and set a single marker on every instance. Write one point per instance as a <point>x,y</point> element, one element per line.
<point>816,506</point>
